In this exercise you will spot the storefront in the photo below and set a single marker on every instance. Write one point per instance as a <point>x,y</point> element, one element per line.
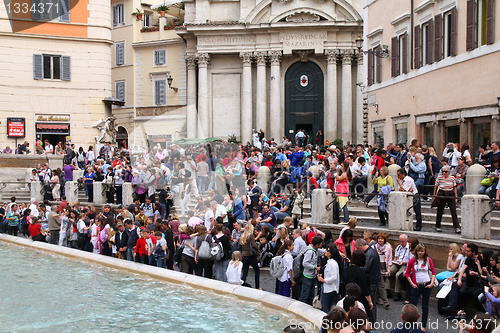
<point>53,127</point>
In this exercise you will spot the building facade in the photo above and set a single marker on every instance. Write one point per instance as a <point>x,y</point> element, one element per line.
<point>147,52</point>
<point>274,65</point>
<point>439,83</point>
<point>55,70</point>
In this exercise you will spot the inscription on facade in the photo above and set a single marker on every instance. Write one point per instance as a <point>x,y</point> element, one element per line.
<point>229,40</point>
<point>303,41</point>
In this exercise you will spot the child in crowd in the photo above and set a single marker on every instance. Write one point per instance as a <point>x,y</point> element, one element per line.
<point>286,281</point>
<point>266,252</point>
<point>141,249</point>
<point>233,271</point>
<point>159,251</point>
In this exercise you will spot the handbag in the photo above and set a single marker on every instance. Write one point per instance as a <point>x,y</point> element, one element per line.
<point>488,181</point>
<point>435,202</point>
<point>178,252</point>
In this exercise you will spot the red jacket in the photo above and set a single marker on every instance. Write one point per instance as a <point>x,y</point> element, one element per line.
<point>141,247</point>
<point>411,269</point>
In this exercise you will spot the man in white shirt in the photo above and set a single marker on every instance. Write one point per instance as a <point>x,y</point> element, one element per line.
<point>190,165</point>
<point>452,153</point>
<point>221,211</point>
<point>34,208</point>
<point>407,184</point>
<point>209,215</point>
<point>400,261</point>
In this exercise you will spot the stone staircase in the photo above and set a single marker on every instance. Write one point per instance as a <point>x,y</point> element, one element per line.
<point>370,216</point>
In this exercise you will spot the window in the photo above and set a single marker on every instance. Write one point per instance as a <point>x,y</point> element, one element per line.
<point>374,66</point>
<point>51,67</point>
<point>401,131</point>
<point>147,20</point>
<point>160,92</point>
<point>48,10</point>
<point>448,30</point>
<point>118,14</point>
<point>160,57</point>
<point>120,90</point>
<point>399,57</point>
<point>480,23</point>
<point>378,136</point>
<point>427,43</point>
<point>120,53</point>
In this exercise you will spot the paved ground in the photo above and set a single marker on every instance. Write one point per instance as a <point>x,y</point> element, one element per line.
<point>385,318</point>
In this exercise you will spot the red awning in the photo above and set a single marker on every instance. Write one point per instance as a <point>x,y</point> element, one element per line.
<point>52,126</point>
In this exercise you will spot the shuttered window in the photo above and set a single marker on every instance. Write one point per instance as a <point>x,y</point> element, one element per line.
<point>403,41</point>
<point>48,10</point>
<point>120,53</point>
<point>378,65</point>
<point>448,36</point>
<point>160,57</point>
<point>480,23</point>
<point>118,14</point>
<point>394,56</point>
<point>370,67</point>
<point>160,92</point>
<point>438,33</point>
<point>427,42</point>
<point>51,67</point>
<point>120,90</point>
<point>416,44</point>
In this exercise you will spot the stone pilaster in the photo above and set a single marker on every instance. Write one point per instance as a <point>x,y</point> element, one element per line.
<point>246,97</point>
<point>204,124</point>
<point>347,96</point>
<point>261,93</point>
<point>359,100</point>
<point>191,116</point>
<point>331,96</point>
<point>275,98</point>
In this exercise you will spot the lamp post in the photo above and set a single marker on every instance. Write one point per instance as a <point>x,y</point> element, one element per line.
<point>169,81</point>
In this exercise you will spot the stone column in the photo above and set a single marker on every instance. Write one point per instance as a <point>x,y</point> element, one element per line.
<point>399,202</point>
<point>437,135</point>
<point>320,199</point>
<point>246,98</point>
<point>128,194</point>
<point>346,97</point>
<point>277,127</point>
<point>191,121</point>
<point>473,209</point>
<point>99,193</point>
<point>261,94</point>
<point>331,96</point>
<point>495,128</point>
<point>203,119</point>
<point>37,191</point>
<point>71,191</point>
<point>359,101</point>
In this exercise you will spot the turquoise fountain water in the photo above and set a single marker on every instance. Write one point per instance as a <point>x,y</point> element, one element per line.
<point>41,292</point>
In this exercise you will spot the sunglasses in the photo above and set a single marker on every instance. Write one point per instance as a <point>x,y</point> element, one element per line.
<point>446,172</point>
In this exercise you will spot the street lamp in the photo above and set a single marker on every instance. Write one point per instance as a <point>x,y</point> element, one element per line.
<point>381,53</point>
<point>169,80</point>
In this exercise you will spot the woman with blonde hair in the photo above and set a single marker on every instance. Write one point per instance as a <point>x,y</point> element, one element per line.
<point>249,250</point>
<point>455,256</point>
<point>384,185</point>
<point>233,271</point>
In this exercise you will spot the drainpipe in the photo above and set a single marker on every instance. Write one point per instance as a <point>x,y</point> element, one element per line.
<point>412,29</point>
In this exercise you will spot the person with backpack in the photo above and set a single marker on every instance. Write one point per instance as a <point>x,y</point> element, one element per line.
<point>249,250</point>
<point>311,269</point>
<point>203,259</point>
<point>284,256</point>
<point>221,264</point>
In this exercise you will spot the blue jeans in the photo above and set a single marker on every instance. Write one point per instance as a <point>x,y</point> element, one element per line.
<point>130,254</point>
<point>307,293</point>
<point>202,184</point>
<point>220,269</point>
<point>160,262</point>
<point>328,300</point>
<point>211,175</point>
<point>488,190</point>
<point>426,294</point>
<point>268,224</point>
<point>284,288</point>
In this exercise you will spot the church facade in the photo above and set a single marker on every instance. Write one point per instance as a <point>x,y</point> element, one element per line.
<point>276,65</point>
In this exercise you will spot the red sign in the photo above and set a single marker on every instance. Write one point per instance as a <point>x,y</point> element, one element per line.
<point>16,127</point>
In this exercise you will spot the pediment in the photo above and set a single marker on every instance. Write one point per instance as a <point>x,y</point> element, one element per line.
<point>303,17</point>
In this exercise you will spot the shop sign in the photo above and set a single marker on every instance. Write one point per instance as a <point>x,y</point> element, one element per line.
<point>16,127</point>
<point>53,118</point>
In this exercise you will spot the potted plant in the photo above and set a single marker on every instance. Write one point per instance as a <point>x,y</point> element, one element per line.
<point>162,9</point>
<point>138,14</point>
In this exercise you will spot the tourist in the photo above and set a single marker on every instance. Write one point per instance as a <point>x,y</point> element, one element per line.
<point>286,281</point>
<point>384,184</point>
<point>421,275</point>
<point>35,229</point>
<point>203,265</point>
<point>400,262</point>
<point>249,250</point>
<point>356,274</point>
<point>310,264</point>
<point>333,322</point>
<point>455,258</point>
<point>357,321</point>
<point>222,264</point>
<point>384,250</point>
<point>407,184</point>
<point>352,224</point>
<point>481,323</point>
<point>490,180</point>
<point>345,245</point>
<point>141,248</point>
<point>54,223</point>
<point>13,218</point>
<point>159,251</point>
<point>372,270</point>
<point>446,187</point>
<point>234,267</point>
<point>330,279</point>
<point>89,183</point>
<point>409,315</point>
<point>459,173</point>
<point>56,186</point>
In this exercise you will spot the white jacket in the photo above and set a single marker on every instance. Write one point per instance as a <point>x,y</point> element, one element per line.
<point>331,276</point>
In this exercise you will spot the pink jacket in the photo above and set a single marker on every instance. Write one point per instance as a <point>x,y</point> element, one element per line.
<point>341,247</point>
<point>387,249</point>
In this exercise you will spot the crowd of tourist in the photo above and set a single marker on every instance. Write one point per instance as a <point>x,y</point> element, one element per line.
<point>201,210</point>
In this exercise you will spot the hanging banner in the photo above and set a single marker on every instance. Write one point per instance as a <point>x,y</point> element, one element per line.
<point>16,127</point>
